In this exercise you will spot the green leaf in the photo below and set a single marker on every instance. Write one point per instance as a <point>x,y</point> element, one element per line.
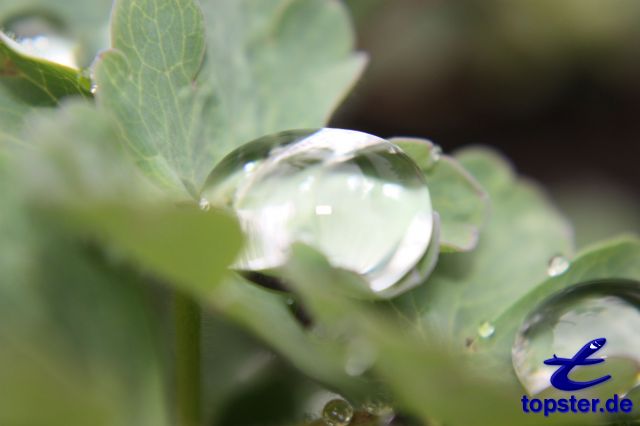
<point>189,247</point>
<point>266,314</point>
<point>85,177</point>
<point>37,81</point>
<point>260,77</point>
<point>147,83</point>
<point>456,195</point>
<point>78,343</point>
<point>12,113</point>
<point>523,232</point>
<point>426,377</point>
<point>27,83</point>
<point>616,259</point>
<point>276,65</point>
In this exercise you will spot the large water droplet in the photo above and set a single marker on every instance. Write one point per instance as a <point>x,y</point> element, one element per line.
<point>558,265</point>
<point>337,412</point>
<point>564,323</point>
<point>355,197</point>
<point>40,37</point>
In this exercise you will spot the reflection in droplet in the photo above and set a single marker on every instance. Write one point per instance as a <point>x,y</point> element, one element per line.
<point>558,265</point>
<point>337,412</point>
<point>564,323</point>
<point>39,37</point>
<point>355,197</point>
<point>486,330</point>
<point>204,204</point>
<point>94,88</point>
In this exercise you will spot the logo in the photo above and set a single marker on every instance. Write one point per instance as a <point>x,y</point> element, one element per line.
<point>560,379</point>
<point>574,404</point>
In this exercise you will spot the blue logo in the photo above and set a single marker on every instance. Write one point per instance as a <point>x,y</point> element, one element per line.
<point>560,379</point>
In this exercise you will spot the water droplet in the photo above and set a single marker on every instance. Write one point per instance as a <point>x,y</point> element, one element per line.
<point>40,37</point>
<point>337,412</point>
<point>565,322</point>
<point>353,196</point>
<point>204,204</point>
<point>558,265</point>
<point>379,407</point>
<point>486,330</point>
<point>434,157</point>
<point>94,88</point>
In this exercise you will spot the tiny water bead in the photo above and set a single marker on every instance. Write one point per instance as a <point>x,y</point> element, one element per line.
<point>486,330</point>
<point>337,412</point>
<point>558,265</point>
<point>565,322</point>
<point>356,198</point>
<point>204,205</point>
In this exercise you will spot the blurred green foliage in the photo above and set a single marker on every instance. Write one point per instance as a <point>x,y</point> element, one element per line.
<point>101,229</point>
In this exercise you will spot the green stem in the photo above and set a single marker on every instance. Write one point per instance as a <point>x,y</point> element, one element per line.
<point>187,356</point>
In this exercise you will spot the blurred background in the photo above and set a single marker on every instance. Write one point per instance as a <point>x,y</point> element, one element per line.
<point>553,85</point>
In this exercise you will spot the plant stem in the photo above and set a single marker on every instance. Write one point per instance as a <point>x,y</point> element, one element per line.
<point>187,359</point>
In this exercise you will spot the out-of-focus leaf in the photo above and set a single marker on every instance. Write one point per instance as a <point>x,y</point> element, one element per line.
<point>81,172</point>
<point>38,81</point>
<point>12,112</point>
<point>261,76</point>
<point>245,373</point>
<point>426,377</point>
<point>524,231</point>
<point>78,343</point>
<point>266,314</point>
<point>616,259</point>
<point>456,195</point>
<point>598,208</point>
<point>189,247</point>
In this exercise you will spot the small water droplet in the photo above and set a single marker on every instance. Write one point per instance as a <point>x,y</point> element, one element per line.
<point>486,330</point>
<point>565,322</point>
<point>379,407</point>
<point>436,154</point>
<point>94,88</point>
<point>204,204</point>
<point>329,188</point>
<point>558,265</point>
<point>337,412</point>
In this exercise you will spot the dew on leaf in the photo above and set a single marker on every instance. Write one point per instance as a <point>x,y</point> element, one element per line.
<point>486,330</point>
<point>567,321</point>
<point>204,205</point>
<point>39,37</point>
<point>337,412</point>
<point>557,265</point>
<point>434,156</point>
<point>356,198</point>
